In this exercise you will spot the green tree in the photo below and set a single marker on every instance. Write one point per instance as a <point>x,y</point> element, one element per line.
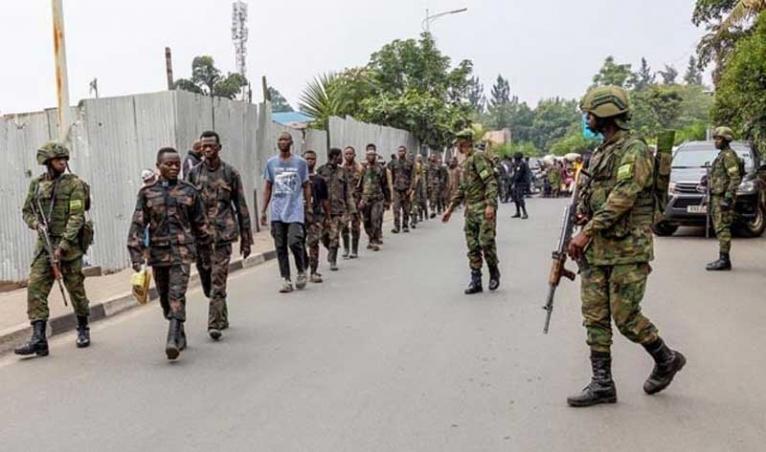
<point>693,74</point>
<point>644,78</point>
<point>501,92</point>
<point>572,142</point>
<point>669,75</point>
<point>612,73</point>
<point>207,79</point>
<point>553,119</point>
<point>476,95</point>
<point>278,102</point>
<point>740,99</point>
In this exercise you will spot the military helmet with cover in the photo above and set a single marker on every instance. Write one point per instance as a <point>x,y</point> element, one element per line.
<point>608,102</point>
<point>724,132</point>
<point>465,134</point>
<point>51,150</point>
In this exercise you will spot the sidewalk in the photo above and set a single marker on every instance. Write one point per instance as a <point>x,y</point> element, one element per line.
<point>109,295</point>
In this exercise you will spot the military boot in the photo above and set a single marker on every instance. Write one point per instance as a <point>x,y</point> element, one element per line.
<point>475,285</point>
<point>83,332</point>
<point>37,345</point>
<point>517,214</point>
<point>354,247</point>
<point>524,215</point>
<point>601,388</point>
<point>345,246</point>
<point>494,278</point>
<point>332,258</point>
<point>172,349</point>
<point>214,333</point>
<point>722,264</point>
<point>182,338</point>
<point>667,363</point>
<point>396,229</point>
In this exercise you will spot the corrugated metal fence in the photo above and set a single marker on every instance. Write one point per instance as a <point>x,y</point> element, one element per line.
<point>113,139</point>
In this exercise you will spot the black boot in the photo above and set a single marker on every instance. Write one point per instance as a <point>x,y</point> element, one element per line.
<point>345,246</point>
<point>601,388</point>
<point>354,247</point>
<point>518,213</point>
<point>182,339</point>
<point>332,258</point>
<point>37,345</point>
<point>396,229</point>
<point>83,332</point>
<point>524,215</point>
<point>172,347</point>
<point>667,363</point>
<point>494,278</point>
<point>475,285</point>
<point>722,264</point>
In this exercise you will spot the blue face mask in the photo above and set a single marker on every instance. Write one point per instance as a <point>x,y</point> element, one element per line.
<point>587,133</point>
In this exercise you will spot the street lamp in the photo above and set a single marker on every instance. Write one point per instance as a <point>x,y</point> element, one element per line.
<point>429,18</point>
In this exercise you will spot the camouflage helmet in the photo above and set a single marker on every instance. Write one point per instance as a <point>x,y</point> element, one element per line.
<point>51,150</point>
<point>724,132</point>
<point>465,134</point>
<point>607,102</point>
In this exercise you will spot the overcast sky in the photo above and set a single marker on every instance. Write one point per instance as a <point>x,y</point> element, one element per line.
<point>546,48</point>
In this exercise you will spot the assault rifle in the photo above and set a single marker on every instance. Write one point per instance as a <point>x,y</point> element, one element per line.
<point>42,231</point>
<point>559,256</point>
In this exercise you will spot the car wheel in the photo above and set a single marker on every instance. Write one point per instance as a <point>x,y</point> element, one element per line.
<point>755,227</point>
<point>664,229</point>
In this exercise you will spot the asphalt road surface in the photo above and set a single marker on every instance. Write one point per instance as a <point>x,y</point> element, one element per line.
<point>389,355</point>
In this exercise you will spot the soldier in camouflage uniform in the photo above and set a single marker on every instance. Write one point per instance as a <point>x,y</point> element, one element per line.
<point>478,190</point>
<point>434,184</point>
<point>63,199</point>
<point>341,194</point>
<point>178,232</point>
<point>317,210</point>
<point>353,225</point>
<point>420,198</point>
<point>614,248</point>
<point>403,182</point>
<point>443,197</point>
<point>223,195</point>
<point>374,198</point>
<point>724,181</point>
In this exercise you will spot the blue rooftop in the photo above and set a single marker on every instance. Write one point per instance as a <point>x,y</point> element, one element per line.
<point>291,117</point>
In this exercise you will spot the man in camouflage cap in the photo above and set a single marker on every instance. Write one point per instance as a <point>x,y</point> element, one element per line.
<point>374,197</point>
<point>59,199</point>
<point>174,213</point>
<point>403,180</point>
<point>223,195</point>
<point>725,178</point>
<point>478,190</point>
<point>616,208</point>
<point>341,193</point>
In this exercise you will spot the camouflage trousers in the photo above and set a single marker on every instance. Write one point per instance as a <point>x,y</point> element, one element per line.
<point>435,199</point>
<point>313,237</point>
<point>372,213</point>
<point>480,239</point>
<point>41,282</point>
<point>402,208</point>
<point>171,282</point>
<point>331,230</point>
<point>615,292</point>
<point>722,220</point>
<point>353,224</point>
<point>420,206</point>
<point>214,285</point>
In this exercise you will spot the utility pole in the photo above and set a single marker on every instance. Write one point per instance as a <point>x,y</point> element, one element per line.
<point>169,68</point>
<point>426,24</point>
<point>62,78</point>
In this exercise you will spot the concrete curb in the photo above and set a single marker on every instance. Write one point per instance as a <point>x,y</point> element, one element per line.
<point>13,336</point>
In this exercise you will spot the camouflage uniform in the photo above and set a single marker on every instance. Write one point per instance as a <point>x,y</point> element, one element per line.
<point>403,176</point>
<point>434,182</point>
<point>315,219</point>
<point>478,190</point>
<point>724,182</point>
<point>372,191</point>
<point>420,203</point>
<point>341,196</point>
<point>224,199</point>
<point>353,224</point>
<point>455,178</point>
<point>443,188</point>
<point>178,230</point>
<point>63,201</point>
<point>618,199</point>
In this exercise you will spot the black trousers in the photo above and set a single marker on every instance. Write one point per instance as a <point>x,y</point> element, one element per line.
<point>517,194</point>
<point>292,236</point>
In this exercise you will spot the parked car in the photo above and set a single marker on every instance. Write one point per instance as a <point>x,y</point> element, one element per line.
<point>687,197</point>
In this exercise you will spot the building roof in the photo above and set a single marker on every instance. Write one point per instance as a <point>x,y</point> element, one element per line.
<point>291,118</point>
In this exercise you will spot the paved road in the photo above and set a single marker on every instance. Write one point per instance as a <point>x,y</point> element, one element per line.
<point>388,355</point>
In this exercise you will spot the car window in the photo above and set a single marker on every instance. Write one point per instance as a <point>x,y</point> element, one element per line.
<point>697,155</point>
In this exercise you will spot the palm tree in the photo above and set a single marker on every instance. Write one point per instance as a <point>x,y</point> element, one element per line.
<point>320,99</point>
<point>742,11</point>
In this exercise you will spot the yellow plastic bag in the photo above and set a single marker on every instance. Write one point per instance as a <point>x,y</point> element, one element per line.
<point>140,282</point>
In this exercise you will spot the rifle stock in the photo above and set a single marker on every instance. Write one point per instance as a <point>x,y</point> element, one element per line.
<point>42,231</point>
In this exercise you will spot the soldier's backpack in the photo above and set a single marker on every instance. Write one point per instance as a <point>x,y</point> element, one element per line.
<point>87,232</point>
<point>663,162</point>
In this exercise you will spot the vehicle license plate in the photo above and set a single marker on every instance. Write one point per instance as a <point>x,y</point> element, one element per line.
<point>696,209</point>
